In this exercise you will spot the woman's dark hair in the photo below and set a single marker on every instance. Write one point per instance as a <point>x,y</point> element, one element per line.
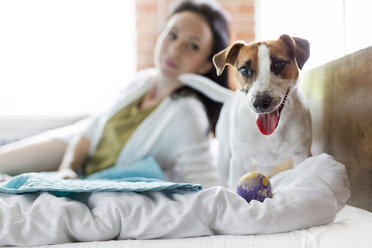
<point>218,23</point>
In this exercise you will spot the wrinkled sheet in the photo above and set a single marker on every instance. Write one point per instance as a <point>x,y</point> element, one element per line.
<point>351,228</point>
<point>308,195</point>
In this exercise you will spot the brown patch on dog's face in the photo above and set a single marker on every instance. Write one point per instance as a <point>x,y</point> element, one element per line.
<point>282,56</point>
<point>285,56</point>
<point>246,66</point>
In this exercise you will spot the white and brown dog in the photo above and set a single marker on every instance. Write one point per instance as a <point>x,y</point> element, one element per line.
<point>267,120</point>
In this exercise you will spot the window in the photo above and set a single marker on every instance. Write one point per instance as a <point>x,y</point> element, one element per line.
<point>64,57</point>
<point>333,27</point>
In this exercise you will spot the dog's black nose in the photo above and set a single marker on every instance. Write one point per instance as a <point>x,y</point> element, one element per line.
<point>261,103</point>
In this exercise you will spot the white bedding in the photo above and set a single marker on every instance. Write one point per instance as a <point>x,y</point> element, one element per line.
<point>311,194</point>
<point>351,228</point>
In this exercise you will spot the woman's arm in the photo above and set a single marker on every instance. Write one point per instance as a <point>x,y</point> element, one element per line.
<point>74,157</point>
<point>184,151</point>
<point>37,153</point>
<point>195,164</point>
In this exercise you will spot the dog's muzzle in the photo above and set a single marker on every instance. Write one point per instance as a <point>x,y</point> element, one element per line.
<point>267,122</point>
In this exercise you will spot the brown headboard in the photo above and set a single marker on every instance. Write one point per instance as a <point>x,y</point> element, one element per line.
<point>339,95</point>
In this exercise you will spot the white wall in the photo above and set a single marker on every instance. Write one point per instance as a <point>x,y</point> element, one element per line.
<point>333,27</point>
<point>64,57</point>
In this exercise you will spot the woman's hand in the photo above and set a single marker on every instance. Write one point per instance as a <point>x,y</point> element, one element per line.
<point>4,178</point>
<point>67,173</point>
<point>74,157</point>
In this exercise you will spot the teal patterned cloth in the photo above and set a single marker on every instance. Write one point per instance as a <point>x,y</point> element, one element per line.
<point>144,175</point>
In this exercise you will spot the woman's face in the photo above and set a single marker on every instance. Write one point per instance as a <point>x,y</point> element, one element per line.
<point>184,45</point>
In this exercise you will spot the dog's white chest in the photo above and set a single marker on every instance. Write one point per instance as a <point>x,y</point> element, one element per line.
<point>249,144</point>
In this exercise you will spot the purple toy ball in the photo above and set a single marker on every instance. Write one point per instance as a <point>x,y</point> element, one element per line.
<point>254,186</point>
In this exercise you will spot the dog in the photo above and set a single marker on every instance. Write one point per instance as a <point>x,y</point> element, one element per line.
<point>267,121</point>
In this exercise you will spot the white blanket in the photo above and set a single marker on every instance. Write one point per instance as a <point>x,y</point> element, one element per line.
<point>311,194</point>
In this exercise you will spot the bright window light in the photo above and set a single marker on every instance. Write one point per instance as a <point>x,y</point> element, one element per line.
<point>333,27</point>
<point>64,57</point>
<point>358,19</point>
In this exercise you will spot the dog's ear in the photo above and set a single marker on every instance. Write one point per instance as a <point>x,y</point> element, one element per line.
<point>300,48</point>
<point>302,51</point>
<point>227,56</point>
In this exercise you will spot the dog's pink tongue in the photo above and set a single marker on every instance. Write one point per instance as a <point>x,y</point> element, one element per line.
<point>267,123</point>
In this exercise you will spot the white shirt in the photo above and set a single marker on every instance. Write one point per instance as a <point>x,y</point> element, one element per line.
<point>175,134</point>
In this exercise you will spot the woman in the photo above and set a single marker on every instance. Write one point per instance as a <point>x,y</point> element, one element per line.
<point>156,115</point>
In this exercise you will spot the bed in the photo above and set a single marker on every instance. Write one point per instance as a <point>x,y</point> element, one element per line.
<point>345,231</point>
<point>338,94</point>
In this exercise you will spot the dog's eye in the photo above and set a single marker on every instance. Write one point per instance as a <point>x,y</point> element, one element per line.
<point>278,66</point>
<point>245,71</point>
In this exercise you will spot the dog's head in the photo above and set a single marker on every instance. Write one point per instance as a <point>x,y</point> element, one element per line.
<point>265,72</point>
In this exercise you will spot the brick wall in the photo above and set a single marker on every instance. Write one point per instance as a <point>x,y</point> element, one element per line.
<point>151,16</point>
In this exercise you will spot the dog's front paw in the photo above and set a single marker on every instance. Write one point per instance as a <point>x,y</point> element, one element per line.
<point>67,174</point>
